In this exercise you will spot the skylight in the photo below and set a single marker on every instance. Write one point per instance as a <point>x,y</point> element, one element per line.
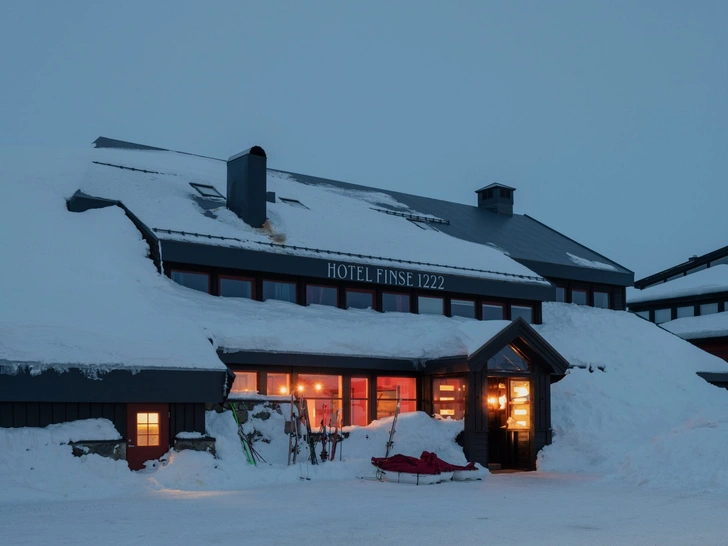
<point>206,191</point>
<point>423,225</point>
<point>294,203</point>
<point>414,217</point>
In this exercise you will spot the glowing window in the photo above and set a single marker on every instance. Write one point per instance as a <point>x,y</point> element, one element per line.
<point>519,405</point>
<point>448,397</point>
<point>387,395</point>
<point>323,396</point>
<point>245,382</point>
<point>147,429</point>
<point>278,383</point>
<point>359,401</point>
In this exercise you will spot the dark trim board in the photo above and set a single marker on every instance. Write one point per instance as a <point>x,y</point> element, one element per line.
<point>114,386</point>
<point>304,360</point>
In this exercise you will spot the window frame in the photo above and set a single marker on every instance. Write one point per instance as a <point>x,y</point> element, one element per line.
<point>584,291</point>
<point>369,291</point>
<point>277,281</point>
<point>503,307</point>
<point>251,280</point>
<point>473,301</point>
<point>394,293</point>
<point>427,296</point>
<point>320,285</point>
<point>523,306</point>
<point>209,278</point>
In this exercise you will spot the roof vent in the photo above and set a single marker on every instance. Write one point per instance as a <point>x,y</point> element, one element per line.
<point>497,198</point>
<point>246,185</point>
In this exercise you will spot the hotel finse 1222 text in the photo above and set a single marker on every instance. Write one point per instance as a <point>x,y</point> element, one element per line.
<point>383,275</point>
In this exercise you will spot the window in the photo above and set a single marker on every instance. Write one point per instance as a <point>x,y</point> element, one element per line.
<point>687,311</point>
<point>283,291</point>
<point>423,225</point>
<point>399,303</point>
<point>506,194</point>
<point>522,311</point>
<point>278,383</point>
<point>359,299</point>
<point>519,417</point>
<point>448,397</point>
<point>195,281</point>
<point>696,269</point>
<point>579,296</point>
<point>708,308</point>
<point>387,395</point>
<point>233,287</point>
<point>561,294</point>
<point>147,429</point>
<point>322,295</point>
<point>293,203</point>
<point>644,314</point>
<point>507,360</point>
<point>245,382</point>
<point>323,395</point>
<point>462,308</point>
<point>601,299</point>
<point>430,306</point>
<point>494,311</point>
<point>662,315</point>
<point>206,190</point>
<point>359,401</point>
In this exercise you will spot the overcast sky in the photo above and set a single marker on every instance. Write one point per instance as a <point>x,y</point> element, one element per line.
<point>610,118</point>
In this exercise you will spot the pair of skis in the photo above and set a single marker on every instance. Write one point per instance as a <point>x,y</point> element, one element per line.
<point>251,455</point>
<point>326,438</point>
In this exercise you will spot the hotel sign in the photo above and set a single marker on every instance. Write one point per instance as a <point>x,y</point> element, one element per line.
<point>385,276</point>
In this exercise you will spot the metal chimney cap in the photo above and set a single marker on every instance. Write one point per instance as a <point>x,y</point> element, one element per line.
<point>255,150</point>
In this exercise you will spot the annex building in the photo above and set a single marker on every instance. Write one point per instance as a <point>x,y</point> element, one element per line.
<point>340,291</point>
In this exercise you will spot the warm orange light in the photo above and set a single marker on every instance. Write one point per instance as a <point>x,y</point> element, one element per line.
<point>284,390</point>
<point>300,388</point>
<point>319,386</point>
<point>492,401</point>
<point>447,387</point>
<point>447,412</point>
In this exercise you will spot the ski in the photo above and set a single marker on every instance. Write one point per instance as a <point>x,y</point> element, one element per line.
<point>247,449</point>
<point>293,433</point>
<point>324,436</point>
<point>309,433</point>
<point>336,437</point>
<point>390,443</point>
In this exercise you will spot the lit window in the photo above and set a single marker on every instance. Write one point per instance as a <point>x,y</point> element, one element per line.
<point>245,382</point>
<point>399,303</point>
<point>522,311</point>
<point>359,299</point>
<point>462,308</point>
<point>430,306</point>
<point>601,299</point>
<point>494,311</point>
<point>519,405</point>
<point>278,383</point>
<point>448,397</point>
<point>662,315</point>
<point>688,311</point>
<point>282,291</point>
<point>387,395</point>
<point>579,297</point>
<point>206,190</point>
<point>195,281</point>
<point>147,429</point>
<point>323,396</point>
<point>322,295</point>
<point>236,288</point>
<point>359,401</point>
<point>708,308</point>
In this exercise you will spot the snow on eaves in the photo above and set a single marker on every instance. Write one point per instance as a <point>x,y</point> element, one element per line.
<point>334,220</point>
<point>590,263</point>
<point>701,327</point>
<point>708,281</point>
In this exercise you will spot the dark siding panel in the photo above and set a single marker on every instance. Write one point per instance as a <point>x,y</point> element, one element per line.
<point>6,414</point>
<point>33,414</point>
<point>107,411</point>
<point>71,411</point>
<point>200,418</point>
<point>97,410</point>
<point>84,410</point>
<point>46,414</point>
<point>19,414</point>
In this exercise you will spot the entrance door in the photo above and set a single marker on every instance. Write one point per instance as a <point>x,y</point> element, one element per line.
<point>147,433</point>
<point>509,423</point>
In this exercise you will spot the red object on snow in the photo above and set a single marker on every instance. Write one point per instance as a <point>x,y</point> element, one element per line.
<point>444,466</point>
<point>404,463</point>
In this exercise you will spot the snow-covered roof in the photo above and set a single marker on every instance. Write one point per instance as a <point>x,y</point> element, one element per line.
<point>708,281</point>
<point>332,221</point>
<point>704,326</point>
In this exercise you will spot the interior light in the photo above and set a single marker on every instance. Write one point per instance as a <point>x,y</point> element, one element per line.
<point>492,401</point>
<point>447,412</point>
<point>502,402</point>
<point>521,391</point>
<point>284,390</point>
<point>520,400</point>
<point>447,387</point>
<point>447,399</point>
<point>300,388</point>
<point>319,386</point>
<point>520,412</point>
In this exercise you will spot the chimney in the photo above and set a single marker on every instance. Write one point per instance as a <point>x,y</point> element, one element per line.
<point>246,185</point>
<point>497,198</point>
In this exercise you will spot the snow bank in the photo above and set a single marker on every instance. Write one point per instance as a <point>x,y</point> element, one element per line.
<point>635,410</point>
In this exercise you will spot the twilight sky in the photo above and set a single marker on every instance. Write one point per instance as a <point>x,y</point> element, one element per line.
<point>610,118</point>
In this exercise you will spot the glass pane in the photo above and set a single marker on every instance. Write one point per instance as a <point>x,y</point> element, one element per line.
<point>688,311</point>
<point>493,311</point>
<point>195,281</point>
<point>448,395</point>
<point>153,440</point>
<point>322,411</point>
<point>520,405</point>
<point>507,360</point>
<point>579,297</point>
<point>462,308</point>
<point>142,440</point>
<point>282,291</point>
<point>387,387</point>
<point>522,311</point>
<point>708,308</point>
<point>560,294</point>
<point>142,418</point>
<point>245,382</point>
<point>395,303</point>
<point>601,299</point>
<point>430,306</point>
<point>696,269</point>
<point>359,300</point>
<point>236,288</point>
<point>322,295</point>
<point>359,387</point>
<point>662,315</point>
<point>360,412</point>
<point>319,386</point>
<point>644,314</point>
<point>153,429</point>
<point>278,383</point>
<point>153,418</point>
